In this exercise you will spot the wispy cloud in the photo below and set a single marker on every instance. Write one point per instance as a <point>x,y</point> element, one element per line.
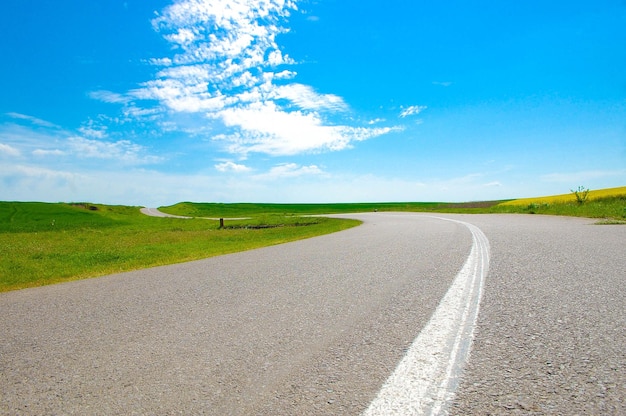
<point>109,97</point>
<point>40,172</point>
<point>93,131</point>
<point>7,150</point>
<point>32,120</point>
<point>229,166</point>
<point>413,110</point>
<point>305,97</point>
<point>123,151</point>
<point>45,140</point>
<point>227,67</point>
<point>46,152</point>
<point>265,128</point>
<point>290,170</point>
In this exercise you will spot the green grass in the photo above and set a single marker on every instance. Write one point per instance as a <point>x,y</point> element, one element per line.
<point>608,204</point>
<point>214,210</point>
<point>44,243</point>
<point>49,243</point>
<point>596,194</point>
<point>611,209</point>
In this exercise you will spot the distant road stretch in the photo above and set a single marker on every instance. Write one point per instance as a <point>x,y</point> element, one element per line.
<point>377,319</point>
<point>154,212</point>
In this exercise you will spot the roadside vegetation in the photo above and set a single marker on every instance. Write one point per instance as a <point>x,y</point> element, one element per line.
<point>214,210</point>
<point>608,205</point>
<point>42,243</point>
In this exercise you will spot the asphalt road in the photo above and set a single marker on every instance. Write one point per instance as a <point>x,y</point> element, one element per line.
<point>154,212</point>
<point>551,336</point>
<point>318,326</point>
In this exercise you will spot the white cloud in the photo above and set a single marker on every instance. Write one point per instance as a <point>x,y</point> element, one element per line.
<point>43,173</point>
<point>265,128</point>
<point>144,114</point>
<point>31,119</point>
<point>305,97</point>
<point>32,143</point>
<point>9,150</point>
<point>275,58</point>
<point>45,152</point>
<point>286,74</point>
<point>184,36</point>
<point>109,97</point>
<point>181,93</point>
<point>224,66</point>
<point>160,61</point>
<point>235,34</point>
<point>290,170</point>
<point>229,166</point>
<point>122,150</point>
<point>93,132</point>
<point>412,110</point>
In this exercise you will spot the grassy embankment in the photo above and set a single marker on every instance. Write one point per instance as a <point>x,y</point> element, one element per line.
<point>48,243</point>
<point>606,204</point>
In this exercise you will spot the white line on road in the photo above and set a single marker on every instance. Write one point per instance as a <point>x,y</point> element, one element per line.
<point>425,380</point>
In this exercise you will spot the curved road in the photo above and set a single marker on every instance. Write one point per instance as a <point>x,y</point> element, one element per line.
<point>154,212</point>
<point>335,325</point>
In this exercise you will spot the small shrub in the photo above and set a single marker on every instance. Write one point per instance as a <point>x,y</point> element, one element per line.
<point>533,207</point>
<point>581,194</point>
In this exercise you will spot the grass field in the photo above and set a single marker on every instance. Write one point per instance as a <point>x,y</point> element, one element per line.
<point>608,204</point>
<point>570,198</point>
<point>49,243</point>
<point>43,243</point>
<point>214,210</point>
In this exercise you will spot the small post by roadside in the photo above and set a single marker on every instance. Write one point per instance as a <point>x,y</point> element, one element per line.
<point>221,222</point>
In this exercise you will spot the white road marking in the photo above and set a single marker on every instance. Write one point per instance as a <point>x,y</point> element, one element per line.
<point>425,380</point>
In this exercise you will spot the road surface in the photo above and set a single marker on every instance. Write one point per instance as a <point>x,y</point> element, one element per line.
<point>154,212</point>
<point>321,326</point>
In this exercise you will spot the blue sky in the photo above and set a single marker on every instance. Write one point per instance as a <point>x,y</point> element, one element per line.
<point>152,103</point>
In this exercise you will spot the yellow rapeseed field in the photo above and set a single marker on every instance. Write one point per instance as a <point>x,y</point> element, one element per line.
<point>565,198</point>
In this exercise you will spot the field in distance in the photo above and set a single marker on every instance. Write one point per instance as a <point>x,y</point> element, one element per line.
<point>593,195</point>
<point>44,243</point>
<point>609,204</point>
<point>216,210</point>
